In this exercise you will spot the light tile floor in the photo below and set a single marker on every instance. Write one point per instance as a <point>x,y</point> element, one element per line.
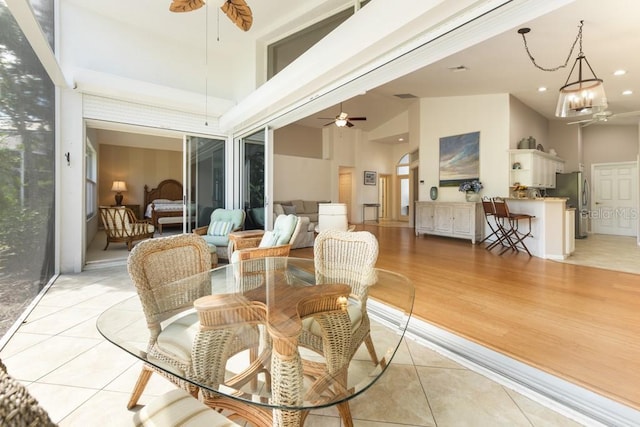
<point>83,380</point>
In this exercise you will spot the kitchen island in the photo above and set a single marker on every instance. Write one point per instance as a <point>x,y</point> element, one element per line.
<point>549,228</point>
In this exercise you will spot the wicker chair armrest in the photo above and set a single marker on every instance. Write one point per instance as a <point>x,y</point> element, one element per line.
<point>246,243</point>
<point>271,251</point>
<point>201,230</point>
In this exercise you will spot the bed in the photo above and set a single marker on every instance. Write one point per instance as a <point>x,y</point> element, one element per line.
<point>164,201</point>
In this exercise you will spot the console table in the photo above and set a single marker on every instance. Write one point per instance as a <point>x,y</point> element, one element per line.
<point>371,205</point>
<point>463,220</point>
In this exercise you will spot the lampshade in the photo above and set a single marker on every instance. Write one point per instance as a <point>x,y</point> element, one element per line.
<point>119,186</point>
<point>583,96</point>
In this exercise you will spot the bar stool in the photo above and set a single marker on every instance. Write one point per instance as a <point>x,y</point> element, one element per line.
<point>494,226</point>
<point>509,225</point>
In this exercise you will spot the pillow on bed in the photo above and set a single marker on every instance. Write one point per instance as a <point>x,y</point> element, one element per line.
<point>220,228</point>
<point>161,201</point>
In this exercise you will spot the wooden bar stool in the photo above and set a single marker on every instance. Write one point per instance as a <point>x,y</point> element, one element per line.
<point>509,225</point>
<point>494,226</point>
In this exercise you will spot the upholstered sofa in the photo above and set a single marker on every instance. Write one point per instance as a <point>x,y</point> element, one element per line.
<point>307,210</point>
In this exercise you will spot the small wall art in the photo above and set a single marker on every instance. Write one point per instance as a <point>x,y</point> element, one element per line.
<point>370,177</point>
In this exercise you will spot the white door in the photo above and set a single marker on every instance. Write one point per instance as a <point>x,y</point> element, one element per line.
<point>615,199</point>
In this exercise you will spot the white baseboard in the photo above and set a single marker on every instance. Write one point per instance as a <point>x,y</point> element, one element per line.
<point>572,401</point>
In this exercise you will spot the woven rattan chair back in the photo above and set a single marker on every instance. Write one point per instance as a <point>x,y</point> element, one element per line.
<point>17,406</point>
<point>153,264</point>
<point>346,257</point>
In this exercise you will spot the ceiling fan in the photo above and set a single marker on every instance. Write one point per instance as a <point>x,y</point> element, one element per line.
<point>237,10</point>
<point>342,119</point>
<point>604,116</point>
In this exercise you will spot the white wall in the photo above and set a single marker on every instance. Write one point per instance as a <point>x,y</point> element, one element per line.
<point>525,122</point>
<point>488,114</point>
<point>608,143</point>
<point>300,178</point>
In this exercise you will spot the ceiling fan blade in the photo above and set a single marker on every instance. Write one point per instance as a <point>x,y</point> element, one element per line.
<point>580,121</point>
<point>627,114</point>
<point>357,118</point>
<point>349,124</point>
<point>185,5</point>
<point>590,122</point>
<point>330,123</point>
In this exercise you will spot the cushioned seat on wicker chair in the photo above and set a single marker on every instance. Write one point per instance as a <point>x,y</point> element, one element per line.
<point>152,265</point>
<point>216,234</point>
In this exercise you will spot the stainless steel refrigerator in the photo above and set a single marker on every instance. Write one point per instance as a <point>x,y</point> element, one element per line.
<point>575,187</point>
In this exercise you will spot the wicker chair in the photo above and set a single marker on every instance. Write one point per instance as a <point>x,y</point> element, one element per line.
<point>120,225</point>
<point>348,258</point>
<point>272,243</point>
<point>152,265</point>
<point>19,408</point>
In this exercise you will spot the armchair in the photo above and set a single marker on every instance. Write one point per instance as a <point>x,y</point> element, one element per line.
<point>120,225</point>
<point>276,242</point>
<point>216,234</point>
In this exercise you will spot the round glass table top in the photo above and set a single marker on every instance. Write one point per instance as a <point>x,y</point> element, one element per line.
<point>263,331</point>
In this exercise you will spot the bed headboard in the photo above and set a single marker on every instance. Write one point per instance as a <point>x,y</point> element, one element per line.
<point>168,189</point>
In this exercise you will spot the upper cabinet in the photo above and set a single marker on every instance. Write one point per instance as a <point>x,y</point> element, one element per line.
<point>534,168</point>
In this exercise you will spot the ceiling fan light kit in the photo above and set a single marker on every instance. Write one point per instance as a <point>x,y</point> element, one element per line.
<point>583,96</point>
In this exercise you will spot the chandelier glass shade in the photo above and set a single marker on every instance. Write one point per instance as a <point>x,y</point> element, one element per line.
<point>582,96</point>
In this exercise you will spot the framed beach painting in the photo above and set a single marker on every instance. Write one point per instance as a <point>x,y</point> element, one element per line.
<point>459,159</point>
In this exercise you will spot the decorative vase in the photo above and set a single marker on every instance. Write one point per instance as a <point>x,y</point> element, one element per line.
<point>472,196</point>
<point>433,193</point>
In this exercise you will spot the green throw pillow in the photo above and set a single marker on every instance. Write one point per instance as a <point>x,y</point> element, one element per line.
<point>219,228</point>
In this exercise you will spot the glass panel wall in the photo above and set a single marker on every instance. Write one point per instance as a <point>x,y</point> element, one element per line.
<point>207,178</point>
<point>253,182</point>
<point>27,174</point>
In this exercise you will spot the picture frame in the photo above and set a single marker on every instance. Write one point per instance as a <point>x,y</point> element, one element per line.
<point>370,178</point>
<point>459,159</point>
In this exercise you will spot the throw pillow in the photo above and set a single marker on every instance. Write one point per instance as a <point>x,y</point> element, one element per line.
<point>219,228</point>
<point>289,210</point>
<point>269,238</point>
<point>278,210</point>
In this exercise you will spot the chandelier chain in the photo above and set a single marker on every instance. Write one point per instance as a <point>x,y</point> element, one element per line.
<point>566,62</point>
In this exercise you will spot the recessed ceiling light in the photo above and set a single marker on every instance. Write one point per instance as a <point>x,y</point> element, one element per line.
<point>620,72</point>
<point>542,89</point>
<point>627,92</point>
<point>400,139</point>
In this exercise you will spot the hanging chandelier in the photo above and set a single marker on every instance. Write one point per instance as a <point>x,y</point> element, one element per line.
<point>579,97</point>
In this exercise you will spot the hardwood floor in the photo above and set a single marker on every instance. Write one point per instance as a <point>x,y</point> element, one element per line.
<point>579,323</point>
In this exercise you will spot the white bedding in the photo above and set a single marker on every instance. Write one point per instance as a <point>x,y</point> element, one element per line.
<point>162,205</point>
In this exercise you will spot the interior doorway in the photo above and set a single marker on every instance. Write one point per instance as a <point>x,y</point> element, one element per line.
<point>344,191</point>
<point>384,196</point>
<point>615,199</point>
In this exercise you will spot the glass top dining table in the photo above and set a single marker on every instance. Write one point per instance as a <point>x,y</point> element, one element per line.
<point>253,339</point>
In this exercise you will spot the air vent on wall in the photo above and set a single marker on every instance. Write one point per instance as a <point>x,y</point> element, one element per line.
<point>405,95</point>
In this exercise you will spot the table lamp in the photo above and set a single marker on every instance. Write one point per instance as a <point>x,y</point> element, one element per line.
<point>118,187</point>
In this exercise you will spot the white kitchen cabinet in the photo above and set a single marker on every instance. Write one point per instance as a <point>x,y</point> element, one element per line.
<point>462,220</point>
<point>534,168</point>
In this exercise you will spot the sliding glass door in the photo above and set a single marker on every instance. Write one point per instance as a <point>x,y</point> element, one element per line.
<point>205,179</point>
<point>254,154</point>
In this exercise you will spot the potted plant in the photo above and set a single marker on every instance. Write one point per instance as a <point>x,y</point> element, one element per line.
<point>471,190</point>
